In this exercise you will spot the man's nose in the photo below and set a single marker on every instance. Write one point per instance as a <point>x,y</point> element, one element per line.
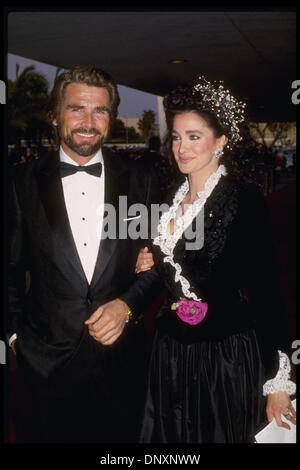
<point>89,120</point>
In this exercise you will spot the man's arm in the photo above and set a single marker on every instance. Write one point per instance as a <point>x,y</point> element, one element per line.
<point>106,324</point>
<point>147,284</point>
<point>16,266</point>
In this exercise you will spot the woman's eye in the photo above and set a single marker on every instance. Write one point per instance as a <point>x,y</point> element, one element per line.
<point>174,137</point>
<point>194,137</point>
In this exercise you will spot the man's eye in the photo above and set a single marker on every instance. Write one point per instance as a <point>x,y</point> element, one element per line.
<point>102,111</point>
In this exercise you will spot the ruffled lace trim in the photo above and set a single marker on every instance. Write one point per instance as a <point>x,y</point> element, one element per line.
<point>185,285</point>
<point>167,241</point>
<point>281,382</point>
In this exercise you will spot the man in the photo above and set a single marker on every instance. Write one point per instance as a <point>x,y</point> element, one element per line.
<point>77,332</point>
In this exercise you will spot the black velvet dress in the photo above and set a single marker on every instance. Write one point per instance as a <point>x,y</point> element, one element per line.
<point>205,382</point>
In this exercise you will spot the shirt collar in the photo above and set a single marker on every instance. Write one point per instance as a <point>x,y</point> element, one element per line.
<point>65,158</point>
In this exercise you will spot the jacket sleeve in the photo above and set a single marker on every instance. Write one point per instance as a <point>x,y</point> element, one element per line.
<point>263,280</point>
<point>17,263</point>
<point>147,284</point>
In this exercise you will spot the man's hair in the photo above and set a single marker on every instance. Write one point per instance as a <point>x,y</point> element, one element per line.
<point>88,75</point>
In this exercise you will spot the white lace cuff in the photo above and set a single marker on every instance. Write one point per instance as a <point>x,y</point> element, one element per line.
<point>281,382</point>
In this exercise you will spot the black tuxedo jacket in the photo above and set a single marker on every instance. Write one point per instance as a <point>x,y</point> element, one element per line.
<point>49,318</point>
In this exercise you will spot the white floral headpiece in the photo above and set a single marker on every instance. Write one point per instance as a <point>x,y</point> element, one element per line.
<point>229,111</point>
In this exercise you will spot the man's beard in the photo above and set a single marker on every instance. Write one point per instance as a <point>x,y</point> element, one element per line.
<point>86,148</point>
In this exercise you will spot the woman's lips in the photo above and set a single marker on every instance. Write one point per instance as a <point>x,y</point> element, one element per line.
<point>185,160</point>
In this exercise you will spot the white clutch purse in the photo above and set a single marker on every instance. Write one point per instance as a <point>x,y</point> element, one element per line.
<point>272,433</point>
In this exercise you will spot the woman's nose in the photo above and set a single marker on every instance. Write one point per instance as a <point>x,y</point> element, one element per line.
<point>183,147</point>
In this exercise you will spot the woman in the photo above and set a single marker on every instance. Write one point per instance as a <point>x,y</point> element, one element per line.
<point>221,339</point>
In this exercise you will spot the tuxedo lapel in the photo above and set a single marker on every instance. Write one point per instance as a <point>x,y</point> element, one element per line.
<point>116,184</point>
<point>52,197</point>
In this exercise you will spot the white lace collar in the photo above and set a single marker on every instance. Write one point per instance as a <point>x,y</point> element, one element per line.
<point>166,241</point>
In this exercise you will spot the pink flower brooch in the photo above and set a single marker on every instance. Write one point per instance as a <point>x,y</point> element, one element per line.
<point>190,311</point>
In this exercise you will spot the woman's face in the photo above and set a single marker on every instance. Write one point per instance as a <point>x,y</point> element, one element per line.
<point>193,143</point>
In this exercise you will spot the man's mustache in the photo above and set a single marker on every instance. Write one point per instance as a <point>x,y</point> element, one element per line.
<point>84,130</point>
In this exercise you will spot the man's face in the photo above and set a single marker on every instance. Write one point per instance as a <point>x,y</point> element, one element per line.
<point>83,120</point>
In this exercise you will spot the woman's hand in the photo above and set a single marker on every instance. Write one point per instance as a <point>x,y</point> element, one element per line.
<point>279,404</point>
<point>144,261</point>
<point>13,347</point>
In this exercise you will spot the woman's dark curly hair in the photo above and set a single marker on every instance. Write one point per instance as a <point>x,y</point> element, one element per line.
<point>239,161</point>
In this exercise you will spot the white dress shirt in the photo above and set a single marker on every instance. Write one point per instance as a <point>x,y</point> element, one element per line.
<point>84,199</point>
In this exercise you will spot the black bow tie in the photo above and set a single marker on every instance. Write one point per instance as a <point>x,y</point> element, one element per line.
<point>66,169</point>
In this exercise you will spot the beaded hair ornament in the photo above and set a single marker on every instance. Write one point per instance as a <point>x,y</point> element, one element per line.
<point>216,99</point>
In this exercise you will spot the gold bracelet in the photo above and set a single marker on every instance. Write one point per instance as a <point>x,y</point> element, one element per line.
<point>129,315</point>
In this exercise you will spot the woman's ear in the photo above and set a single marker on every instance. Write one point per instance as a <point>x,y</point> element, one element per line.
<point>223,141</point>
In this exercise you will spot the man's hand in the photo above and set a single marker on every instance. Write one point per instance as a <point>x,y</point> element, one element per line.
<point>107,322</point>
<point>13,347</point>
<point>279,404</point>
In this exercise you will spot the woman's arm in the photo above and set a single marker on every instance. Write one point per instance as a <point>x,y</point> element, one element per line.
<point>268,307</point>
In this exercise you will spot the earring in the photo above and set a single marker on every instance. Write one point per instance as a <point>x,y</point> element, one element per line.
<point>218,153</point>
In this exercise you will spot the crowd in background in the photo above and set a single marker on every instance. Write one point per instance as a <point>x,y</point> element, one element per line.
<point>151,153</point>
<point>270,164</point>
